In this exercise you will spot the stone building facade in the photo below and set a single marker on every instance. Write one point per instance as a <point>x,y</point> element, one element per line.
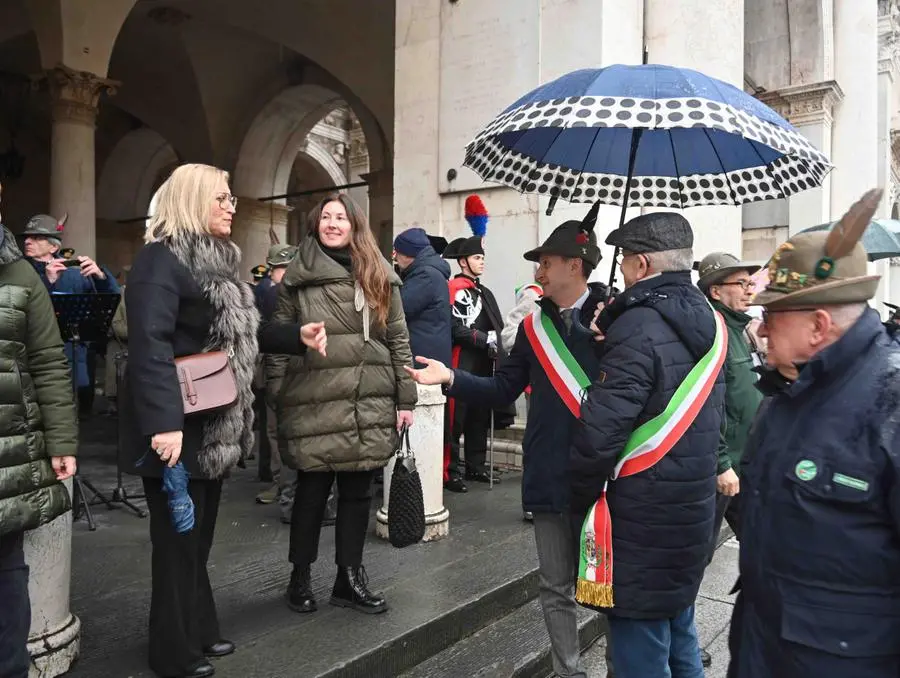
<point>100,99</point>
<point>828,66</point>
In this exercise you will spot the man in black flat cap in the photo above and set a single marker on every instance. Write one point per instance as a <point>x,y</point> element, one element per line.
<point>554,335</point>
<point>477,325</point>
<point>647,494</point>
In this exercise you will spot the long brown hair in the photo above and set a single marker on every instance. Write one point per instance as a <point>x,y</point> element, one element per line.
<point>369,268</point>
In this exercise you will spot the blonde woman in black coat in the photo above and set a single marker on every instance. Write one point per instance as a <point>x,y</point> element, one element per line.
<point>185,296</point>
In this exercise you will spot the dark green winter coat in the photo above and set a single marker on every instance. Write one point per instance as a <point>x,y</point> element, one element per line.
<point>340,412</point>
<point>742,398</point>
<point>37,411</point>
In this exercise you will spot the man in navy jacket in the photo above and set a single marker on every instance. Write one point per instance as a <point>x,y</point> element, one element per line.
<point>566,260</point>
<point>426,297</point>
<point>820,527</point>
<point>656,331</point>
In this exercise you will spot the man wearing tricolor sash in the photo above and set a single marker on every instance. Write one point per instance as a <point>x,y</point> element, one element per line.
<point>556,354</point>
<point>643,461</point>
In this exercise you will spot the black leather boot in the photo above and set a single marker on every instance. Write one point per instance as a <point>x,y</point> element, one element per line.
<point>351,590</point>
<point>299,593</point>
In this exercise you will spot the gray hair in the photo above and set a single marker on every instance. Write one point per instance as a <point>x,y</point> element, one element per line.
<point>671,260</point>
<point>844,315</point>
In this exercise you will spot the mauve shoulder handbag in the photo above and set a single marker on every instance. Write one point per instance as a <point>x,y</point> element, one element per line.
<point>206,381</point>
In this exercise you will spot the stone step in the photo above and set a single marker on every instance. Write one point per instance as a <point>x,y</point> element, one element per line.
<point>442,631</point>
<point>516,646</point>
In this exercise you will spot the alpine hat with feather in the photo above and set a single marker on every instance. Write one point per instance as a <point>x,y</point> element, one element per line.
<point>573,240</point>
<point>821,269</point>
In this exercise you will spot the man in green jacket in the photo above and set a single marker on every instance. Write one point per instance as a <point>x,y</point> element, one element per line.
<point>38,437</point>
<point>727,284</point>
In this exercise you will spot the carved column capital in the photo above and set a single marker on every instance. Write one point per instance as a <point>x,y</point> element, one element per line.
<point>76,94</point>
<point>805,104</point>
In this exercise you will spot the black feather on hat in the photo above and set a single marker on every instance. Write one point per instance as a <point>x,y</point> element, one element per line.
<point>572,239</point>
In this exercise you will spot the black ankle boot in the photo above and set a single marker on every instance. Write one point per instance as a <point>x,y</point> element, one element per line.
<point>299,593</point>
<point>351,590</point>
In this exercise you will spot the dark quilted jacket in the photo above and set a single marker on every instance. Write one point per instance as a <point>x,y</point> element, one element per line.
<point>37,413</point>
<point>662,518</point>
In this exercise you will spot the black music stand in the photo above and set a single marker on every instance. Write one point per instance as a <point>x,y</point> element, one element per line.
<point>120,494</point>
<point>84,318</point>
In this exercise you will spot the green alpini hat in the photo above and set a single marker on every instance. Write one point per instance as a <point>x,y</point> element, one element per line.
<point>813,269</point>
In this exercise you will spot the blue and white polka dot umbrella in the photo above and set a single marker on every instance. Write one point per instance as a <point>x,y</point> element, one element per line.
<point>677,137</point>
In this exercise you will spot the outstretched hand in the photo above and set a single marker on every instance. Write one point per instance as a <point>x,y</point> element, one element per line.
<point>313,336</point>
<point>434,372</point>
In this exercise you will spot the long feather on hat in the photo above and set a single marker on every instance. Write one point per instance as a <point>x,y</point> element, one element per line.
<point>847,232</point>
<point>590,219</point>
<point>476,215</point>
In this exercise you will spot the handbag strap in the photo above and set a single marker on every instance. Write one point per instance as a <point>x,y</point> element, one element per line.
<point>404,449</point>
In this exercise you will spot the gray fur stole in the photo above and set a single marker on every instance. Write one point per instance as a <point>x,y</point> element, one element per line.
<point>215,263</point>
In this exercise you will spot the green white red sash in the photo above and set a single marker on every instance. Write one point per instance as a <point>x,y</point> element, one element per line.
<point>646,446</point>
<point>566,375</point>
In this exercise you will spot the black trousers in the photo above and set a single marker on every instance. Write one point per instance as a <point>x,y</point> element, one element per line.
<point>15,608</point>
<point>354,499</point>
<point>727,508</point>
<point>183,617</point>
<point>473,422</point>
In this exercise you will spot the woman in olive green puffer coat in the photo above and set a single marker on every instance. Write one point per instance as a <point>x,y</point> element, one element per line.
<point>338,414</point>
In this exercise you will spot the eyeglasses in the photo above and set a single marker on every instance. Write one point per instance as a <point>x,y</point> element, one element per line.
<point>225,199</point>
<point>744,284</point>
<point>766,313</point>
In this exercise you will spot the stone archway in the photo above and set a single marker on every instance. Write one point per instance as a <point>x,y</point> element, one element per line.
<point>279,135</point>
<point>131,173</point>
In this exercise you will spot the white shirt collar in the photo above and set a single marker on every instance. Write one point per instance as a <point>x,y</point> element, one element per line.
<point>580,301</point>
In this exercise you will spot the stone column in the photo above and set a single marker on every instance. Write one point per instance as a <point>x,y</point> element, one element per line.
<point>682,34</point>
<point>381,206</point>
<point>810,109</point>
<point>888,69</point>
<point>55,637</point>
<point>75,96</point>
<point>855,143</point>
<point>426,438</point>
<point>251,230</point>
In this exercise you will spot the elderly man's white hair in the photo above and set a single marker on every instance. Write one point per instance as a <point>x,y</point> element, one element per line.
<point>671,260</point>
<point>844,315</point>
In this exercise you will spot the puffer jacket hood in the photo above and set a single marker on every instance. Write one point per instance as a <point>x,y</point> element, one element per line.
<point>312,267</point>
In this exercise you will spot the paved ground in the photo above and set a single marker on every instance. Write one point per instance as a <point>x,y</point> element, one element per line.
<point>489,544</point>
<point>714,607</point>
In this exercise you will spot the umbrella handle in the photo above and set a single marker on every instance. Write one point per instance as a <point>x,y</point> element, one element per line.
<point>632,155</point>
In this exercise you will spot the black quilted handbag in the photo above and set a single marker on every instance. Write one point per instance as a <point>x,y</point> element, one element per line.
<point>406,506</point>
